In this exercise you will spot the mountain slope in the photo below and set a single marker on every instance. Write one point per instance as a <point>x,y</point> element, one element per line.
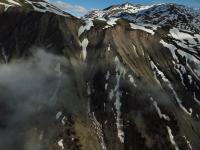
<point>119,80</point>
<point>160,15</point>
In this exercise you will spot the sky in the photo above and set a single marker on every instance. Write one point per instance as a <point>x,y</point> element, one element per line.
<point>81,7</point>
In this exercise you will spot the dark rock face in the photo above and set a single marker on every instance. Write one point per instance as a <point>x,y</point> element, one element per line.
<point>125,88</point>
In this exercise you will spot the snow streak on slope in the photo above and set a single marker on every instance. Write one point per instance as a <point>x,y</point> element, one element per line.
<point>60,144</point>
<point>171,137</point>
<point>84,45</point>
<point>160,114</point>
<point>139,27</point>
<point>188,44</point>
<point>161,74</point>
<point>44,6</point>
<point>7,5</point>
<point>189,41</point>
<point>116,93</point>
<point>172,49</point>
<point>87,27</point>
<point>13,2</point>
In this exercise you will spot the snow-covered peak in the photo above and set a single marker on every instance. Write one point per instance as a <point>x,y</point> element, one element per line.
<point>37,5</point>
<point>158,14</point>
<point>116,10</point>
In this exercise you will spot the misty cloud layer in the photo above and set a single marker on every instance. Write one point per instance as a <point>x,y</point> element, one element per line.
<point>26,88</point>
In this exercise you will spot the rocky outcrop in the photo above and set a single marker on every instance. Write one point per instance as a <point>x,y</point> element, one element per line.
<point>104,83</point>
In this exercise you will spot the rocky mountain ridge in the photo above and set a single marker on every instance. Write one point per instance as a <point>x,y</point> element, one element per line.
<point>126,79</point>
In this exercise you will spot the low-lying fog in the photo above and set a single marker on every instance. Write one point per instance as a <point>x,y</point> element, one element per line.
<point>27,87</point>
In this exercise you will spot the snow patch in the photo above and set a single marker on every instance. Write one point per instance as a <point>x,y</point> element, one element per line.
<point>191,58</point>
<point>111,94</point>
<point>87,27</point>
<point>190,79</point>
<point>188,143</point>
<point>84,45</point>
<point>140,27</point>
<point>88,90</point>
<point>60,143</point>
<point>63,121</point>
<point>6,6</point>
<point>120,73</point>
<point>106,86</point>
<point>160,114</point>
<point>161,74</point>
<point>107,75</point>
<point>171,137</point>
<point>13,2</point>
<point>135,50</point>
<point>111,22</point>
<point>131,79</point>
<point>171,47</point>
<point>58,115</point>
<point>182,36</point>
<point>109,48</point>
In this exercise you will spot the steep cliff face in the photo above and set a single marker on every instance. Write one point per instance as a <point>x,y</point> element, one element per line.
<point>98,82</point>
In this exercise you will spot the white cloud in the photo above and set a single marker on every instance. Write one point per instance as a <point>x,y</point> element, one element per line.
<point>74,9</point>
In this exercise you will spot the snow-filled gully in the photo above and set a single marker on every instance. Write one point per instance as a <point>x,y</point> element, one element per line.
<point>116,94</point>
<point>85,42</point>
<point>164,78</point>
